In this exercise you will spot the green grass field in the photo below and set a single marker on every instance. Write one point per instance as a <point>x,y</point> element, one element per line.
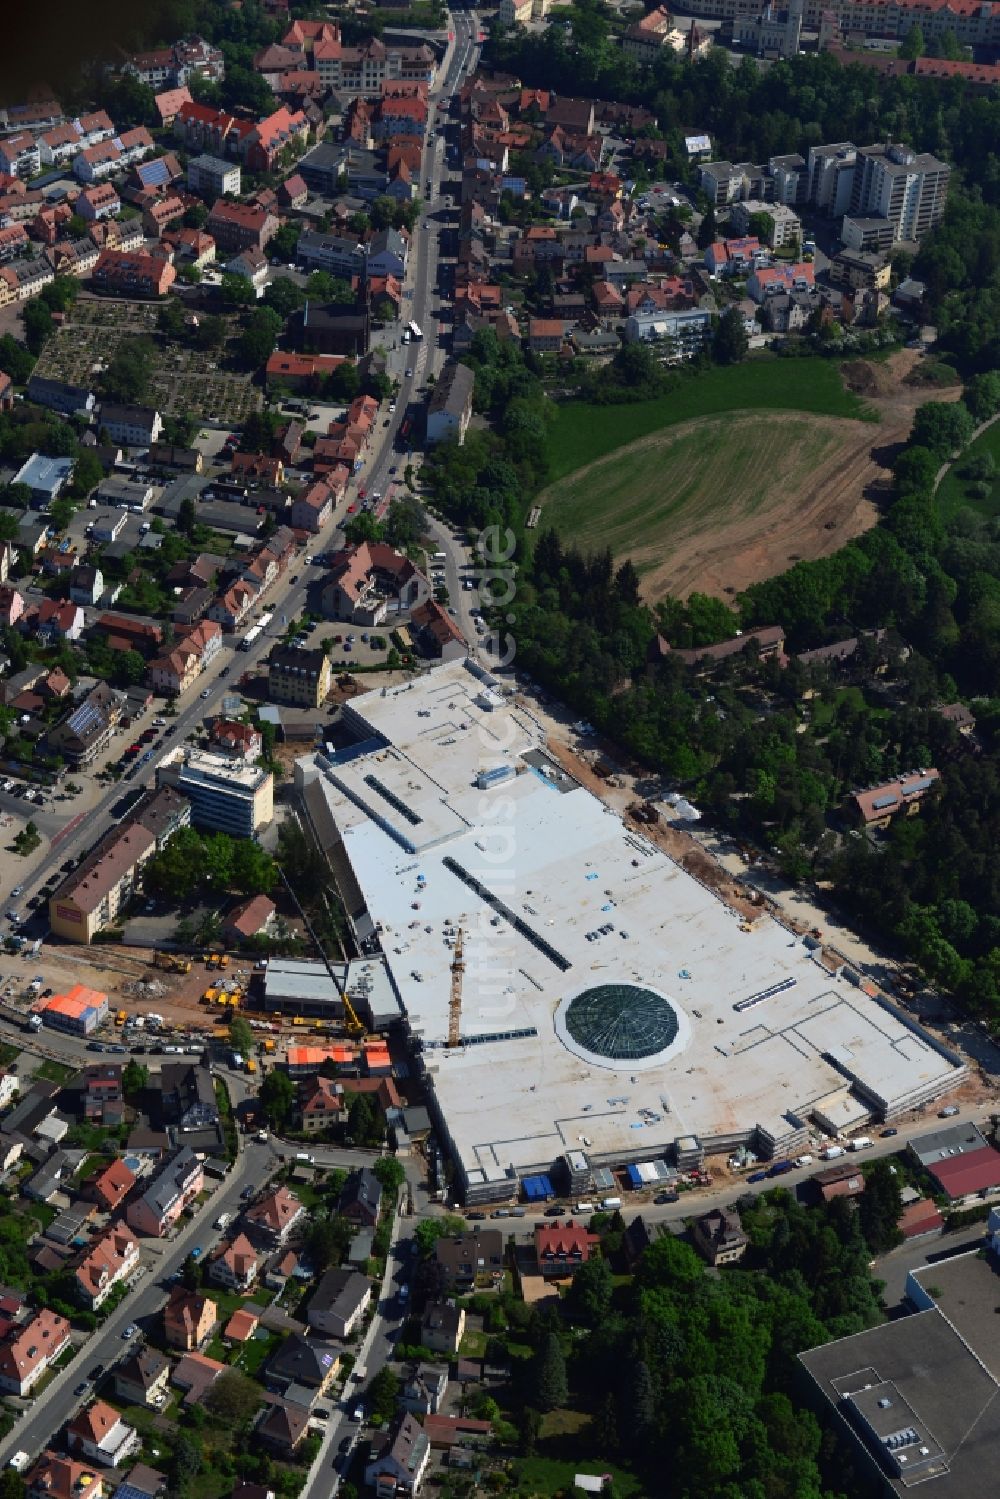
<point>581,433</point>
<point>693,504</point>
<point>955,493</point>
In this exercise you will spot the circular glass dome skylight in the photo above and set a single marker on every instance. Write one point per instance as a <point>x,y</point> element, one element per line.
<point>621,1022</point>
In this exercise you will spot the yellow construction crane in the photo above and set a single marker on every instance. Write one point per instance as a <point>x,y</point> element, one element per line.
<point>353,1024</point>
<point>455,1002</point>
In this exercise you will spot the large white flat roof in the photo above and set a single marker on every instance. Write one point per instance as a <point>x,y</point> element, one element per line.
<point>555,895</point>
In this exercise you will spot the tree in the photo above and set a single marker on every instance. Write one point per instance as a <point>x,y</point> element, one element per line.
<point>188,1457</point>
<point>708,230</point>
<point>128,375</point>
<point>62,291</point>
<point>130,669</point>
<point>238,291</point>
<point>87,473</point>
<point>16,362</point>
<point>729,343</point>
<point>190,1274</point>
<point>879,1208</point>
<point>234,1397</point>
<point>187,516</point>
<point>284,296</point>
<point>590,1291</point>
<point>259,336</point>
<point>11,1485</point>
<point>942,427</point>
<point>389,1170</point>
<point>547,1381</point>
<point>240,1036</point>
<point>429,1230</point>
<point>328,1240</point>
<point>134,1078</point>
<point>363,1124</point>
<point>277,1099</point>
<point>383,1392</point>
<point>38,325</point>
<point>195,217</point>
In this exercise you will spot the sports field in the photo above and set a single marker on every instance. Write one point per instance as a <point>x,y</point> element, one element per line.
<point>722,501</point>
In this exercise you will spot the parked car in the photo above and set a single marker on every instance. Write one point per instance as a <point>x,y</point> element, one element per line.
<point>886,1134</point>
<point>553,1212</point>
<point>757,1176</point>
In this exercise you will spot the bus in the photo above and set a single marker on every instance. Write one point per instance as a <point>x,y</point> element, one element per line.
<point>251,638</point>
<point>415,332</point>
<point>266,618</point>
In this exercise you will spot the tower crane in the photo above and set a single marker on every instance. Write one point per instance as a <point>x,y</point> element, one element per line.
<point>455,1001</point>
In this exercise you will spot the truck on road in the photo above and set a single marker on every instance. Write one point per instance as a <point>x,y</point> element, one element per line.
<point>861,1142</point>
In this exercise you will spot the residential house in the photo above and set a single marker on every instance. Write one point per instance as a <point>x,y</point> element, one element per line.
<point>361,1200</point>
<point>237,1265</point>
<point>195,1373</point>
<point>110,1187</point>
<point>131,426</point>
<point>471,1261</point>
<point>188,1319</point>
<point>86,584</point>
<point>251,264</point>
<point>91,897</point>
<point>436,633</point>
<point>54,1477</point>
<point>846,1179</point>
<point>142,1378</point>
<point>100,1434</point>
<point>339,1302</point>
<point>718,1235</point>
<point>449,410</point>
<point>59,619</point>
<point>320,1104</point>
<point>876,807</point>
<point>241,226</point>
<point>424,1389</point>
<point>303,1364</point>
<point>282,1427</point>
<point>312,509</point>
<point>98,202</point>
<point>398,1458</point>
<point>251,918</point>
<point>187,1095</point>
<point>298,676</point>
<point>34,1347</point>
<point>103,1097</point>
<point>276,1215</point>
<point>175,1183</point>
<point>133,275</point>
<point>442,1327</point>
<point>232,607</point>
<point>241,740</point>
<point>561,1248</point>
<point>364,577</point>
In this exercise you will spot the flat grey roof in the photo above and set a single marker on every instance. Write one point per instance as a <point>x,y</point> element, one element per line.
<point>953,1398</point>
<point>288,979</point>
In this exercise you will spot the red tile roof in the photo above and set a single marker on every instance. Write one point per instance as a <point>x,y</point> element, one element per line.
<point>972,1171</point>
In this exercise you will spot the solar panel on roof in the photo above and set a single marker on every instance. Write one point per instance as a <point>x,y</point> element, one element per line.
<point>884,801</point>
<point>86,718</point>
<point>921,785</point>
<point>154,172</point>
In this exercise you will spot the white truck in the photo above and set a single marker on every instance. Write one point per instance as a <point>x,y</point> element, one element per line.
<point>831,1152</point>
<point>223,1220</point>
<point>803,1160</point>
<point>861,1142</point>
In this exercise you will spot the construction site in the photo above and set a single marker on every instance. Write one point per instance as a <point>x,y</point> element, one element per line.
<point>572,978</point>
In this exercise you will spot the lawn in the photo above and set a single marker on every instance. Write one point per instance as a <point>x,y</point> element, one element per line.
<point>56,1072</point>
<point>720,501</point>
<point>547,1475</point>
<point>956,493</point>
<point>582,433</point>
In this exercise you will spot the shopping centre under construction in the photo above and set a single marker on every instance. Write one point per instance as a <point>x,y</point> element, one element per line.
<point>566,986</point>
